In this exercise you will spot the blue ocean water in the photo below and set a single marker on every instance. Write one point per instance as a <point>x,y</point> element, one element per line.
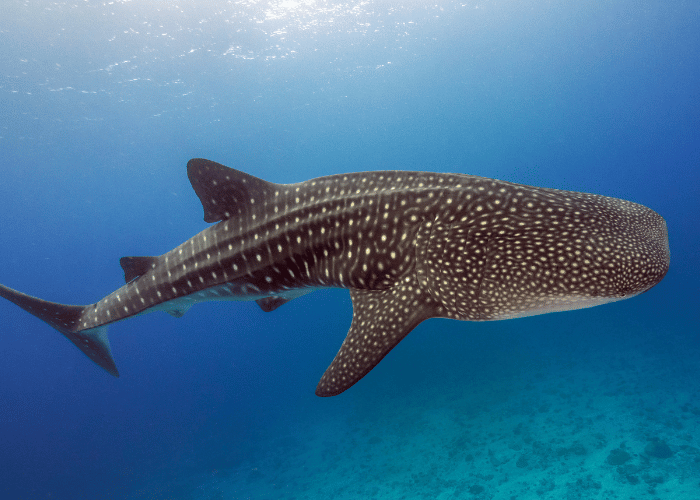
<point>104,102</point>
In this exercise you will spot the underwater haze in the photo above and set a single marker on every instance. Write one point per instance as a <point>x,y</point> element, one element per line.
<point>103,104</point>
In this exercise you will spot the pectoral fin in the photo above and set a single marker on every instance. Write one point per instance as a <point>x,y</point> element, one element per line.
<point>381,319</point>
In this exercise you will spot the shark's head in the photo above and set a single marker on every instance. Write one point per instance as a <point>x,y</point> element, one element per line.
<point>547,251</point>
<point>636,244</point>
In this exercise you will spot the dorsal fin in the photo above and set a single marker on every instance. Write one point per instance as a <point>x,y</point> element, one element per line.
<point>223,191</point>
<point>137,266</point>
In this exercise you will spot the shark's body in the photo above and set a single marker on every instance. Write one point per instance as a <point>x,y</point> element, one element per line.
<point>408,245</point>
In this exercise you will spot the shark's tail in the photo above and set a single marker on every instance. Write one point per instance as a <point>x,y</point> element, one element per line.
<point>65,318</point>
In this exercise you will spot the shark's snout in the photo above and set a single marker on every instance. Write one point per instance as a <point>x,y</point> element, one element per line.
<point>644,255</point>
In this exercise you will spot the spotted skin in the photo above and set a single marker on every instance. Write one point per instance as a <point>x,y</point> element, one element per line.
<point>408,245</point>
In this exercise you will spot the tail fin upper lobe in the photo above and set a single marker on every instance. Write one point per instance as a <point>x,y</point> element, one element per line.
<point>65,318</point>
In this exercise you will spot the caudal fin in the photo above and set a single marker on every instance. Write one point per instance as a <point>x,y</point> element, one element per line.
<point>65,318</point>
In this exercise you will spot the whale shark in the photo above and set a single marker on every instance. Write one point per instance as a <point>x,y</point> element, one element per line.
<point>408,246</point>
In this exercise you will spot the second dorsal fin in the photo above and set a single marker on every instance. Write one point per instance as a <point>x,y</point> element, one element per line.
<point>136,266</point>
<point>225,192</point>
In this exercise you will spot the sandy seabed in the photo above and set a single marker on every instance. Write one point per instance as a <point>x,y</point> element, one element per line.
<point>624,427</point>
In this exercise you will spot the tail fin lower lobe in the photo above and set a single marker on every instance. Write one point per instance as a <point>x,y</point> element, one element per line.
<point>65,318</point>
